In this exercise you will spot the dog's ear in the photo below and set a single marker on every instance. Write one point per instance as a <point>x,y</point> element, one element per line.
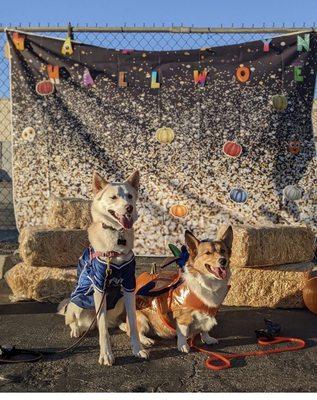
<point>98,183</point>
<point>134,180</point>
<point>192,243</point>
<point>227,237</point>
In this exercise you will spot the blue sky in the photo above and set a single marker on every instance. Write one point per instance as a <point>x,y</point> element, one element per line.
<point>188,12</point>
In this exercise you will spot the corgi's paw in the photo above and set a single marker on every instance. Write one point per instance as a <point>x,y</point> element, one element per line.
<point>146,341</point>
<point>74,332</point>
<point>106,358</point>
<point>205,338</point>
<point>183,348</point>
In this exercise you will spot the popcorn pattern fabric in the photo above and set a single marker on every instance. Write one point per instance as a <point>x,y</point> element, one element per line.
<point>112,129</point>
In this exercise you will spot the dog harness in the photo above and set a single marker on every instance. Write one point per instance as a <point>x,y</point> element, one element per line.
<point>91,275</point>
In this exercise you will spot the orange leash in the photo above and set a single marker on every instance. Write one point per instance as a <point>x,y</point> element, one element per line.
<point>218,361</point>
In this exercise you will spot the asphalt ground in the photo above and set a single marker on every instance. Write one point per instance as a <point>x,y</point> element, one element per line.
<point>167,370</point>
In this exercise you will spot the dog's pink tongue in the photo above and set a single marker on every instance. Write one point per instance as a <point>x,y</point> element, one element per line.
<point>126,222</point>
<point>221,273</point>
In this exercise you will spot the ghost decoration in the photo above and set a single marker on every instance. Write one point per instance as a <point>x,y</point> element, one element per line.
<point>28,134</point>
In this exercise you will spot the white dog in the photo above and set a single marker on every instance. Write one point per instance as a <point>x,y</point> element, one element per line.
<point>111,237</point>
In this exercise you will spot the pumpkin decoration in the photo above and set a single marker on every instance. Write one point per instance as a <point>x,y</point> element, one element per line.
<point>279,102</point>
<point>165,135</point>
<point>292,192</point>
<point>28,134</point>
<point>238,195</point>
<point>243,74</point>
<point>294,147</point>
<point>232,149</point>
<point>310,294</point>
<point>179,210</point>
<point>44,88</point>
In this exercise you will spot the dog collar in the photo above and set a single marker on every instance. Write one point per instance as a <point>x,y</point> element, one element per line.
<point>109,254</point>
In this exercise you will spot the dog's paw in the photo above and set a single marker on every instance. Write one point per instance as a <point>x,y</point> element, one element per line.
<point>142,354</point>
<point>123,327</point>
<point>137,349</point>
<point>146,341</point>
<point>205,338</point>
<point>183,348</point>
<point>106,358</point>
<point>74,332</point>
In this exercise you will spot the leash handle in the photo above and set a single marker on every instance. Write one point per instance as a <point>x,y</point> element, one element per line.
<point>218,361</point>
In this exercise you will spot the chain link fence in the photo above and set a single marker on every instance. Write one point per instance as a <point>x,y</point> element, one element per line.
<point>144,38</point>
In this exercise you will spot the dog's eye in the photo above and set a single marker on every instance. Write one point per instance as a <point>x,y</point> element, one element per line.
<point>114,197</point>
<point>130,196</point>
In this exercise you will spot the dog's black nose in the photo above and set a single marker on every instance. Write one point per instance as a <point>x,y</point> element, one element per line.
<point>222,261</point>
<point>129,208</point>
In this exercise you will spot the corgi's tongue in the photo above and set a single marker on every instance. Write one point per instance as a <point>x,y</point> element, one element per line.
<point>125,221</point>
<point>220,272</point>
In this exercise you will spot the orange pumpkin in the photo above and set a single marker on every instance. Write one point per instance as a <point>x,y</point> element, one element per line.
<point>310,294</point>
<point>232,149</point>
<point>294,147</point>
<point>179,210</point>
<point>243,74</point>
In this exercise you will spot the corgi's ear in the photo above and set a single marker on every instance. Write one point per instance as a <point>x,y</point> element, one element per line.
<point>134,180</point>
<point>98,183</point>
<point>227,237</point>
<point>192,243</point>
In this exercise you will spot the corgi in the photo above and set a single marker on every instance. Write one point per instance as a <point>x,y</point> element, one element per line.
<point>190,307</point>
<point>108,265</point>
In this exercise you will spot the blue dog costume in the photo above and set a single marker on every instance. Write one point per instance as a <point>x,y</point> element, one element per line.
<point>91,275</point>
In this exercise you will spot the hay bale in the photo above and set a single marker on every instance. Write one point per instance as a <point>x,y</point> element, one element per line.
<point>274,287</point>
<point>265,246</point>
<point>40,283</point>
<point>71,213</point>
<point>47,247</point>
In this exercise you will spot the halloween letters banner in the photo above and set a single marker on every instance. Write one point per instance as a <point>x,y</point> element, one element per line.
<point>219,134</point>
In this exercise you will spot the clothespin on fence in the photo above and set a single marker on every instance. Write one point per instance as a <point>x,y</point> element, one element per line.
<point>67,49</point>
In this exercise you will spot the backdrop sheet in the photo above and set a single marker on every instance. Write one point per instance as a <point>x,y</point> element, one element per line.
<point>239,145</point>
